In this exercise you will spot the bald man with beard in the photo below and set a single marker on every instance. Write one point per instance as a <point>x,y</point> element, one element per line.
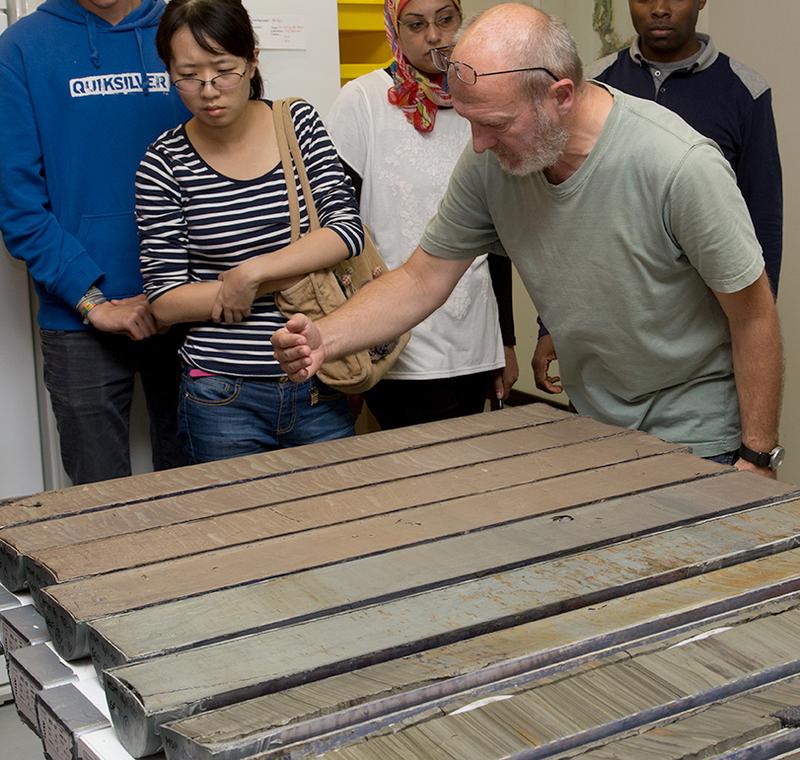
<point>627,229</point>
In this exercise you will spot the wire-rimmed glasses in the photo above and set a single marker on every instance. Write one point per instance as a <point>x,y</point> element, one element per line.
<point>444,22</point>
<point>228,80</point>
<point>467,74</point>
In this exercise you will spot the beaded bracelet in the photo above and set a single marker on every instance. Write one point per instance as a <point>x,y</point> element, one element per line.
<point>91,298</point>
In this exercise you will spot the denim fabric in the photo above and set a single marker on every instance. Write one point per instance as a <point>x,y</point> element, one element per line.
<point>222,417</point>
<point>90,377</point>
<point>397,403</point>
<point>729,457</point>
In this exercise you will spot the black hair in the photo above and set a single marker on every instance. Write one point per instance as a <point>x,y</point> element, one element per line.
<point>218,26</point>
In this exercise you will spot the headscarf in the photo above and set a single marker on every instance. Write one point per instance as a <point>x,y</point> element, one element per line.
<point>420,95</point>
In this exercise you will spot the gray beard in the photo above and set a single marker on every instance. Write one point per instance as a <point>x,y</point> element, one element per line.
<point>547,150</point>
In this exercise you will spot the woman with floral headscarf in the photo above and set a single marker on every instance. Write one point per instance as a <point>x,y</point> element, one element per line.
<point>396,131</point>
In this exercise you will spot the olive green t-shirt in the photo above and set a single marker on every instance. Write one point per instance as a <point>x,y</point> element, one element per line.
<point>620,260</point>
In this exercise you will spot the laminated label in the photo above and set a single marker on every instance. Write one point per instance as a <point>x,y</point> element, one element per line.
<point>57,740</point>
<point>11,639</point>
<point>24,693</point>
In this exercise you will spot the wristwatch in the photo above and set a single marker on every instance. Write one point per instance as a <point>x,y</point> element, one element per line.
<point>771,459</point>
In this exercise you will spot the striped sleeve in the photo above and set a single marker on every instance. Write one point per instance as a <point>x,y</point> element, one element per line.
<point>330,186</point>
<point>164,251</point>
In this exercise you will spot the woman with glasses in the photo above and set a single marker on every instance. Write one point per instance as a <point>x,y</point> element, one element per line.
<point>211,204</point>
<point>400,139</point>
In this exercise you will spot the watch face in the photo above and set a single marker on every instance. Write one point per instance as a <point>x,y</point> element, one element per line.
<point>776,457</point>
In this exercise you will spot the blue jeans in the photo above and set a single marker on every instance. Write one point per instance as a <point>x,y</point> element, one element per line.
<point>90,376</point>
<point>222,417</point>
<point>729,457</point>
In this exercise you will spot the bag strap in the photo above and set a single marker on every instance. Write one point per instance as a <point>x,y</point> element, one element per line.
<point>297,156</point>
<point>291,160</point>
<point>288,168</point>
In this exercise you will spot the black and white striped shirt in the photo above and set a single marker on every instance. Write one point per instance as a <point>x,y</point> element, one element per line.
<point>195,223</point>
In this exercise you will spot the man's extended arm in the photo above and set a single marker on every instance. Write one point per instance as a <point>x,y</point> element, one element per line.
<point>387,307</point>
<point>757,364</point>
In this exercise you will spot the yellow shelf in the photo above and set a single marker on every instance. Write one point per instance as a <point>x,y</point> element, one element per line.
<point>356,18</point>
<point>350,71</point>
<point>363,46</point>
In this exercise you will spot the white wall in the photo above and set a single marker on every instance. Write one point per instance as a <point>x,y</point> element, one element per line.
<point>313,72</point>
<point>20,442</point>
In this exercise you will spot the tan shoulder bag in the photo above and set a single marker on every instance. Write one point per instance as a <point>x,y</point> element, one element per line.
<point>322,292</point>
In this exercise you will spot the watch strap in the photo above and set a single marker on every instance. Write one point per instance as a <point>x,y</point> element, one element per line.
<point>758,458</point>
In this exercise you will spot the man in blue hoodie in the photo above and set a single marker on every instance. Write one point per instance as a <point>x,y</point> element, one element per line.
<point>83,93</point>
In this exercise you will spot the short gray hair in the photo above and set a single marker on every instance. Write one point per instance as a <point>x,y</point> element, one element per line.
<point>553,47</point>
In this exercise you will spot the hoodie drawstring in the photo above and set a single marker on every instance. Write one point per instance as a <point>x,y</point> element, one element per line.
<point>145,83</point>
<point>94,53</point>
<point>91,31</point>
